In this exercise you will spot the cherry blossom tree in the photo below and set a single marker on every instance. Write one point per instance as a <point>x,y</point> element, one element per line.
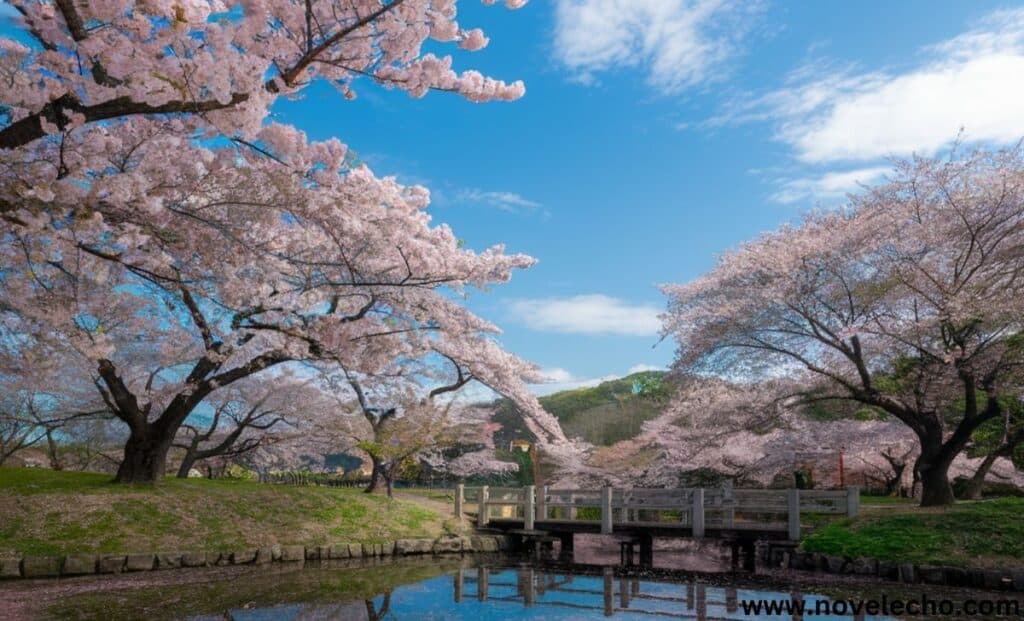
<point>996,439</point>
<point>174,276</point>
<point>908,301</point>
<point>42,399</point>
<point>411,413</point>
<point>244,417</point>
<point>223,63</point>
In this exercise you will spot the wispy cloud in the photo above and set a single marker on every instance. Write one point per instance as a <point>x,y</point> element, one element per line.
<point>559,379</point>
<point>830,114</point>
<point>505,201</point>
<point>587,314</point>
<point>639,368</point>
<point>829,187</point>
<point>677,43</point>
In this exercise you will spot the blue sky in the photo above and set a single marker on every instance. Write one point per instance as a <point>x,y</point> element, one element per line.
<point>656,134</point>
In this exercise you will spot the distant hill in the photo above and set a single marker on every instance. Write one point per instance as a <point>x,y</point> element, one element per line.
<point>603,415</point>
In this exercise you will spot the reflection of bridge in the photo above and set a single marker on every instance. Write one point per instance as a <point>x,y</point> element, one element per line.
<point>738,516</point>
<point>606,593</point>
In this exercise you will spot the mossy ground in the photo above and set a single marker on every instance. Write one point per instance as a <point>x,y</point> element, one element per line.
<point>45,512</point>
<point>970,534</point>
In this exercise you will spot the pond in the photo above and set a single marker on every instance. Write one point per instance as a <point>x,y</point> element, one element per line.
<point>438,588</point>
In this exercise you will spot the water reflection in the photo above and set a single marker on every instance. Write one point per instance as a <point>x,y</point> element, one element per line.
<point>522,593</point>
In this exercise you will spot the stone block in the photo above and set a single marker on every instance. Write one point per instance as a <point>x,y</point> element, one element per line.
<point>338,551</point>
<point>275,553</point>
<point>40,566</point>
<point>956,576</point>
<point>976,578</point>
<point>168,560</point>
<point>413,546</point>
<point>865,567</point>
<point>110,564</point>
<point>387,548</point>
<point>243,557</point>
<point>887,570</point>
<point>834,564</point>
<point>998,579</point>
<point>264,555</point>
<point>194,559</point>
<point>78,565</point>
<point>139,562</point>
<point>447,546</point>
<point>312,553</point>
<point>930,574</point>
<point>355,550</point>
<point>291,554</point>
<point>908,573</point>
<point>10,568</point>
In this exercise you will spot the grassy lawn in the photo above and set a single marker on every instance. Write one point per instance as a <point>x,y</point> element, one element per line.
<point>977,534</point>
<point>47,512</point>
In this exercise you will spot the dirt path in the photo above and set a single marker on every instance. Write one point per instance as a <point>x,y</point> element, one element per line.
<point>444,509</point>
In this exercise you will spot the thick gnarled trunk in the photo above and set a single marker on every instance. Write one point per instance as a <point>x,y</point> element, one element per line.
<point>145,456</point>
<point>932,468</point>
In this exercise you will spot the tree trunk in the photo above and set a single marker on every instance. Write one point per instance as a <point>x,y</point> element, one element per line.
<point>977,482</point>
<point>53,451</point>
<point>387,483</point>
<point>933,468</point>
<point>187,462</point>
<point>374,476</point>
<point>145,456</point>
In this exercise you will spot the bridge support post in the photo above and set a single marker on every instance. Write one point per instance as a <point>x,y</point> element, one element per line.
<point>609,598</point>
<point>697,517</point>
<point>646,551</point>
<point>542,503</point>
<point>528,507</point>
<point>793,505</point>
<point>481,516</point>
<point>606,510</point>
<point>482,579</point>
<point>460,499</point>
<point>566,547</point>
<point>852,501</point>
<point>728,505</point>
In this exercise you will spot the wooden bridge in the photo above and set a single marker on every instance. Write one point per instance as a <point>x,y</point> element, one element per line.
<point>738,516</point>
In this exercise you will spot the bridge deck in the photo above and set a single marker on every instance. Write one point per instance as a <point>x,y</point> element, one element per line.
<point>739,531</point>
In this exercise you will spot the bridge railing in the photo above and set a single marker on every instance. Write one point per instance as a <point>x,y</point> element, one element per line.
<point>698,509</point>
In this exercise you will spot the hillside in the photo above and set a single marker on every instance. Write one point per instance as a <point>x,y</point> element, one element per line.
<point>603,415</point>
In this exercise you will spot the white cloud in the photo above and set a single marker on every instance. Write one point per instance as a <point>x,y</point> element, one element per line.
<point>678,43</point>
<point>971,82</point>
<point>556,374</point>
<point>505,201</point>
<point>588,314</point>
<point>558,379</point>
<point>829,187</point>
<point>639,368</point>
<point>571,383</point>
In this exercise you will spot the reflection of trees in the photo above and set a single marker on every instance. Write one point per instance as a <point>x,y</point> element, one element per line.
<point>377,614</point>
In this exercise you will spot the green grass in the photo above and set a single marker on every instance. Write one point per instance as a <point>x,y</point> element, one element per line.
<point>984,533</point>
<point>47,512</point>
